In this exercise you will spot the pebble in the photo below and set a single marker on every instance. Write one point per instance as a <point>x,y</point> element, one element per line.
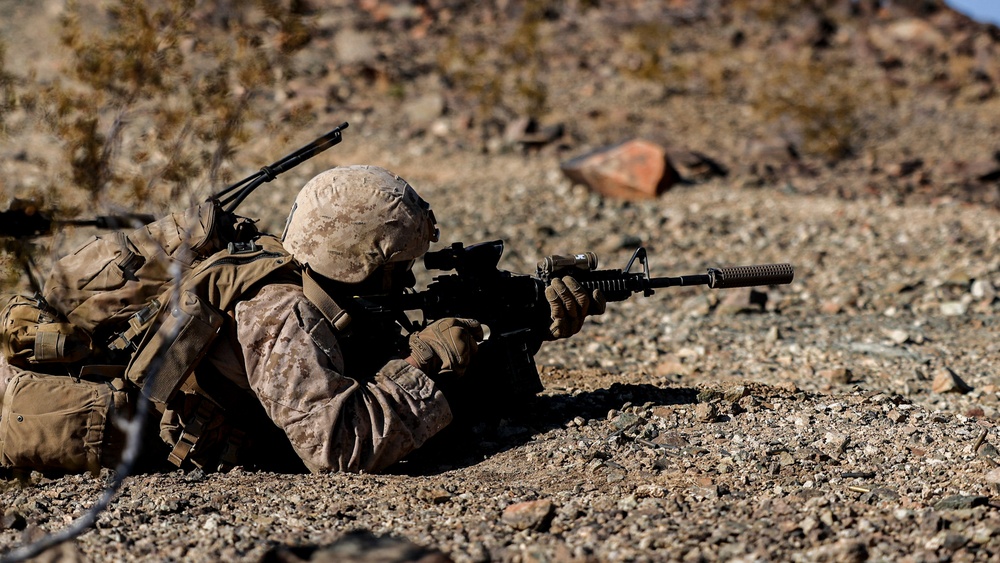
<point>953,308</point>
<point>947,381</point>
<point>530,515</point>
<point>956,502</point>
<point>706,412</point>
<point>840,376</point>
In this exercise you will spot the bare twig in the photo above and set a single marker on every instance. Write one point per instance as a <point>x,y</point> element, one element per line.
<point>979,441</point>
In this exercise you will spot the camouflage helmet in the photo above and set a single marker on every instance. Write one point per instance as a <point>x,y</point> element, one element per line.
<point>350,220</point>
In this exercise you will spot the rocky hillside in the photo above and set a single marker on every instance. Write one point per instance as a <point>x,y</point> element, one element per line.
<point>849,416</point>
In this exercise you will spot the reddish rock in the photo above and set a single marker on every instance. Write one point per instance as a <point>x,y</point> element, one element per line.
<point>840,376</point>
<point>530,515</point>
<point>634,169</point>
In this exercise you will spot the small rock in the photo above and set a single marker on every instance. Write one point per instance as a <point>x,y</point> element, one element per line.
<point>974,412</point>
<point>947,381</point>
<point>13,520</point>
<point>706,412</point>
<point>709,395</point>
<point>988,451</point>
<point>983,290</point>
<point>953,308</point>
<point>531,515</point>
<point>735,394</point>
<point>634,169</point>
<point>993,477</point>
<point>773,335</point>
<point>954,542</point>
<point>896,416</point>
<point>837,442</point>
<point>672,439</point>
<point>625,421</point>
<point>897,336</point>
<point>839,376</point>
<point>808,524</point>
<point>831,307</point>
<point>958,502</point>
<point>435,495</point>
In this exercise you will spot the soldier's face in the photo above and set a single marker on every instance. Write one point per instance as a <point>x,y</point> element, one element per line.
<point>394,276</point>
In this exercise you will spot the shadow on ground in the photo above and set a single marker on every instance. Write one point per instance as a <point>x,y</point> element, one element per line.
<point>482,430</point>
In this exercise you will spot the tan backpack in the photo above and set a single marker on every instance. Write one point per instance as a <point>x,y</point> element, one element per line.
<point>97,308</point>
<point>112,277</point>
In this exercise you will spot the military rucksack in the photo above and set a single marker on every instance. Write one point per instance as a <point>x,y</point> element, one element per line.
<point>110,313</point>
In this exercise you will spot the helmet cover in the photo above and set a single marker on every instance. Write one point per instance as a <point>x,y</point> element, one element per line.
<point>350,220</point>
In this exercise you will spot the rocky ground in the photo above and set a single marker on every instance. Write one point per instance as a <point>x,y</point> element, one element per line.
<point>848,416</point>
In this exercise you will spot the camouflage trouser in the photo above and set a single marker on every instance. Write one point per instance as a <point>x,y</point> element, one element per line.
<point>56,422</point>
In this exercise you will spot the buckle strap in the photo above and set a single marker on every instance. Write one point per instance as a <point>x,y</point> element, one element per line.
<point>193,429</point>
<point>333,313</point>
<point>137,325</point>
<point>49,345</point>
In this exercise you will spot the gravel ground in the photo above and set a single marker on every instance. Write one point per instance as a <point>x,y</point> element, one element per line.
<point>848,416</point>
<point>686,426</point>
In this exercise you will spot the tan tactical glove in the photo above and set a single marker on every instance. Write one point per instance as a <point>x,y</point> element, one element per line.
<point>569,303</point>
<point>445,345</point>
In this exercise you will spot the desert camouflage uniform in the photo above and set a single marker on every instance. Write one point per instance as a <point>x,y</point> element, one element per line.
<point>340,392</point>
<point>335,422</point>
<point>342,410</point>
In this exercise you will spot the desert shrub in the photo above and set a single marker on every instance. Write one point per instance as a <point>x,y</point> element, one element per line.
<point>503,77</point>
<point>820,105</point>
<point>157,95</point>
<point>153,100</point>
<point>6,92</point>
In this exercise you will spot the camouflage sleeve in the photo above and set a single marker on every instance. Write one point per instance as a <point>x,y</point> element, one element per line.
<point>334,422</point>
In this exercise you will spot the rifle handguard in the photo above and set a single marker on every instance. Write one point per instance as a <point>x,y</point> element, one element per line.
<point>749,276</point>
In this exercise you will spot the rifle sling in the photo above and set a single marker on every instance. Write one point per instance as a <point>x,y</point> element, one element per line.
<point>333,313</point>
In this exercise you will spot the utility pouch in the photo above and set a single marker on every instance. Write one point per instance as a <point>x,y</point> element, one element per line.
<point>55,422</point>
<point>100,285</point>
<point>34,333</point>
<point>173,347</point>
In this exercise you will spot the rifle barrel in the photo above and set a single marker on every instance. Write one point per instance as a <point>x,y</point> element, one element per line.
<point>268,173</point>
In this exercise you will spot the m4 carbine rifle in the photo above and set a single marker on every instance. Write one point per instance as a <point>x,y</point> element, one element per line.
<point>514,308</point>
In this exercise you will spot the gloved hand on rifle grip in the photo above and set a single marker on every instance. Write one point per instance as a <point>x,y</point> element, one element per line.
<point>445,345</point>
<point>569,304</point>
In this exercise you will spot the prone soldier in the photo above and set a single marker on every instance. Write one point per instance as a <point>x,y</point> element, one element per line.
<point>260,348</point>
